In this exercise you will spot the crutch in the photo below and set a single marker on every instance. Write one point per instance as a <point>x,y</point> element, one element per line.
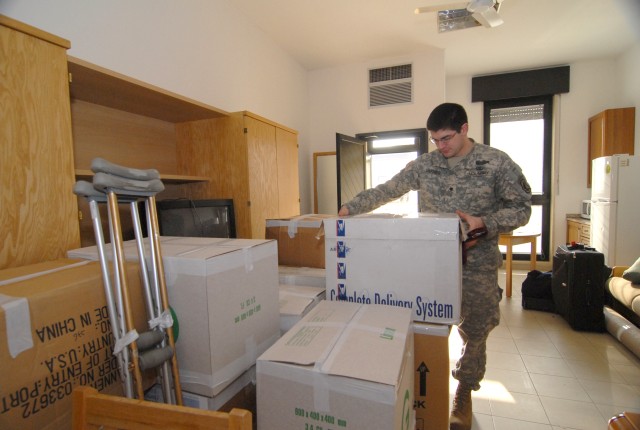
<point>120,182</point>
<point>113,298</point>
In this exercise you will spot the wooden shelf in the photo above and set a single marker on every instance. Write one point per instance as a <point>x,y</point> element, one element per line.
<point>87,175</point>
<point>104,87</point>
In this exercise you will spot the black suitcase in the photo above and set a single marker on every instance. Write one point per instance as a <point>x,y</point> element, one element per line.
<point>536,292</point>
<point>578,286</point>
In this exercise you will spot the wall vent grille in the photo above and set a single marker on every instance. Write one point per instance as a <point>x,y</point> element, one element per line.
<point>390,85</point>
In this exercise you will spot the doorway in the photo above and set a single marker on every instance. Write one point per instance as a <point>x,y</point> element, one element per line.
<point>369,159</point>
<point>523,129</point>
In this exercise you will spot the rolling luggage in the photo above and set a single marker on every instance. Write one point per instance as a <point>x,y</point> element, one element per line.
<point>577,285</point>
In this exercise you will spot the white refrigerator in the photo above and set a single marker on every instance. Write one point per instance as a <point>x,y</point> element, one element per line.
<point>615,208</point>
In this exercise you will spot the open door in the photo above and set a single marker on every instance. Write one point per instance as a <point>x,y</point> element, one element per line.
<point>351,167</point>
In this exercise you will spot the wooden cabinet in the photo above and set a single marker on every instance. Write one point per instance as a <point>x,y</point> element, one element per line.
<point>579,230</point>
<point>611,132</point>
<point>250,159</point>
<point>128,122</point>
<point>38,216</point>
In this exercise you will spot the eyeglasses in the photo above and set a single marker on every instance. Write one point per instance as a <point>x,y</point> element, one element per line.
<point>444,139</point>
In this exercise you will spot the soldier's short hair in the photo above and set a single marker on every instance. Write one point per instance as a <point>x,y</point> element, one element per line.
<point>447,116</point>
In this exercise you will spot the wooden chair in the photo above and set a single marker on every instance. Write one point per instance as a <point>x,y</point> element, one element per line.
<point>92,410</point>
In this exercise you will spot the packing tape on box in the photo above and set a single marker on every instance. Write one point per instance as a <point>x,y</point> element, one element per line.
<point>221,378</point>
<point>44,272</point>
<point>18,322</point>
<point>16,311</point>
<point>292,224</point>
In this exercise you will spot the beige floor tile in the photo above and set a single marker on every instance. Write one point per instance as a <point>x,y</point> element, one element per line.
<point>505,360</point>
<point>595,370</point>
<point>501,423</point>
<point>525,407</point>
<point>573,414</point>
<point>482,422</point>
<point>502,344</point>
<point>605,393</point>
<point>543,348</point>
<point>547,365</point>
<point>559,387</point>
<point>526,333</point>
<point>512,381</point>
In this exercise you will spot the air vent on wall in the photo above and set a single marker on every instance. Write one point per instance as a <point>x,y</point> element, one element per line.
<point>390,85</point>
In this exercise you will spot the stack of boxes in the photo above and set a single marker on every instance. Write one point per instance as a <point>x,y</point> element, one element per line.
<point>225,295</point>
<point>376,351</point>
<point>409,264</point>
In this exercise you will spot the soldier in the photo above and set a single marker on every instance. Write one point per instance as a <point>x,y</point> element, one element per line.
<point>489,193</point>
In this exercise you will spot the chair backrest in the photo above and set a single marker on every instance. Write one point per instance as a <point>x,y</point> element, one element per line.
<point>92,410</point>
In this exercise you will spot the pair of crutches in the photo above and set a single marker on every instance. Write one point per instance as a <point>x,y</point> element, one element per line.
<point>154,349</point>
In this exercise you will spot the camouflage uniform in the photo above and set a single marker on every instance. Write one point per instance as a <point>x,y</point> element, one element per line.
<point>485,183</point>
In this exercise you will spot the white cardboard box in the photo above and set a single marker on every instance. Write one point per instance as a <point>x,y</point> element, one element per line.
<point>405,261</point>
<point>225,295</point>
<point>343,366</point>
<point>296,301</point>
<point>311,276</point>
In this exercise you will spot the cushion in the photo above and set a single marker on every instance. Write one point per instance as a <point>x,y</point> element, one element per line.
<point>633,273</point>
<point>625,292</point>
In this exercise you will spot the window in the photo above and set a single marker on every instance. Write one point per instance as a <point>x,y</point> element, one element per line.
<point>522,128</point>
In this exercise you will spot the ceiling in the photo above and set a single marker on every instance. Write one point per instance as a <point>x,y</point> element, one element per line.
<point>535,33</point>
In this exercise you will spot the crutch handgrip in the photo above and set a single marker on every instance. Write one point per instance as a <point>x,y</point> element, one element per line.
<point>149,339</point>
<point>154,357</point>
<point>104,166</point>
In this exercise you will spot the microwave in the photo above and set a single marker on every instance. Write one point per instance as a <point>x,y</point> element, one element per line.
<point>585,211</point>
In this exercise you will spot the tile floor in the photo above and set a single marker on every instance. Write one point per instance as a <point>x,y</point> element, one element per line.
<point>543,375</point>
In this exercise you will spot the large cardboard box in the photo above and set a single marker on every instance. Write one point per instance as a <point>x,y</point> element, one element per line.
<point>300,239</point>
<point>225,295</point>
<point>344,366</point>
<point>431,348</point>
<point>295,302</point>
<point>405,261</point>
<point>226,298</point>
<point>55,335</point>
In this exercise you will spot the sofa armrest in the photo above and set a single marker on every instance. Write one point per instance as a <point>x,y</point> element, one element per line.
<point>617,271</point>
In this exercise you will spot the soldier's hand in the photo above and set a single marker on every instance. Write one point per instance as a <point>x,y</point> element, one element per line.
<point>343,211</point>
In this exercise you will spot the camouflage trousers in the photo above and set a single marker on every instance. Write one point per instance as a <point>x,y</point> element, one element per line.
<point>480,313</point>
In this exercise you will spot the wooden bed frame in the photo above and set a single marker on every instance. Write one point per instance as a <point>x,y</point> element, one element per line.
<point>92,410</point>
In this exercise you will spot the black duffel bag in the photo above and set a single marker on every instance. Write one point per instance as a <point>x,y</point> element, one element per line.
<point>536,291</point>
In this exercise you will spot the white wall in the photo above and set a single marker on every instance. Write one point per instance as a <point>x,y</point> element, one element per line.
<point>338,100</point>
<point>594,86</point>
<point>202,49</point>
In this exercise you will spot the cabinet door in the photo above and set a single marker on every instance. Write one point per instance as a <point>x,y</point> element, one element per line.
<point>573,231</point>
<point>39,215</point>
<point>288,178</point>
<point>596,141</point>
<point>263,174</point>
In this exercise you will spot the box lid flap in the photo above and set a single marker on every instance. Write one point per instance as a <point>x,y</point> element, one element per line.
<point>358,341</point>
<point>422,226</point>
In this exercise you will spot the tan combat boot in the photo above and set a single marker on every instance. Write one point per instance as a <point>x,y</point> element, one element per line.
<point>461,414</point>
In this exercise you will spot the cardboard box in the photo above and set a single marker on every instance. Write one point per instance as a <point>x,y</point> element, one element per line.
<point>345,366</point>
<point>411,261</point>
<point>431,349</point>
<point>55,335</point>
<point>310,276</point>
<point>232,393</point>
<point>225,295</point>
<point>300,240</point>
<point>295,302</point>
<point>226,298</point>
